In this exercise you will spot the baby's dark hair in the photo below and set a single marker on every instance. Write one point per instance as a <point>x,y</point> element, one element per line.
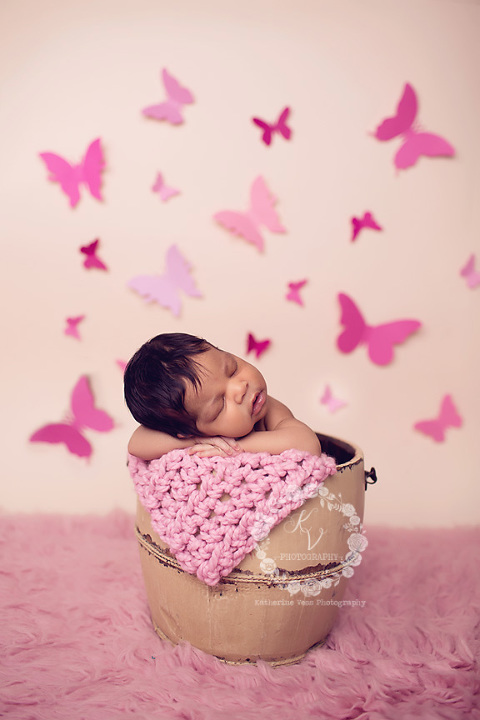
<point>154,382</point>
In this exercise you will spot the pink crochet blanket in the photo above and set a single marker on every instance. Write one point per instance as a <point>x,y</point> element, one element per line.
<point>211,512</point>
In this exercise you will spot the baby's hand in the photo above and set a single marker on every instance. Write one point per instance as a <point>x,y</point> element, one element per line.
<point>215,446</point>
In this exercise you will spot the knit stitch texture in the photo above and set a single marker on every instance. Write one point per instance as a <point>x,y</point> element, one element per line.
<point>211,512</point>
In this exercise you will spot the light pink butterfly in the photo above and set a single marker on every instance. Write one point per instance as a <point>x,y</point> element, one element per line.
<point>261,213</point>
<point>165,289</point>
<point>279,126</point>
<point>448,417</point>
<point>70,177</point>
<point>72,326</point>
<point>83,414</point>
<point>163,190</point>
<point>332,403</point>
<point>367,221</point>
<point>257,346</point>
<point>416,143</point>
<point>380,339</point>
<point>469,272</point>
<point>171,109</point>
<point>91,258</point>
<point>293,293</point>
<point>121,364</point>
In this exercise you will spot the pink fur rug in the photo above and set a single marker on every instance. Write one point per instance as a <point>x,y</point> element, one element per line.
<point>76,640</point>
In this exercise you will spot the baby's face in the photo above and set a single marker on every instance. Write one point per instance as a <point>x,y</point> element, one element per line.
<point>231,398</point>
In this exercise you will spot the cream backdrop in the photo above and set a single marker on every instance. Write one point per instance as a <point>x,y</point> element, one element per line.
<point>72,71</point>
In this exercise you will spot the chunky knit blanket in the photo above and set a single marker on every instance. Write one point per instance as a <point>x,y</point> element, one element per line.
<point>211,512</point>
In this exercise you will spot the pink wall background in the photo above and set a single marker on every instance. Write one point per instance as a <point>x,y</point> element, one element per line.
<point>73,71</point>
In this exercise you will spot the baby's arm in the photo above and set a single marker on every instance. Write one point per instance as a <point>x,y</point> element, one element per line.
<point>283,432</point>
<point>151,444</point>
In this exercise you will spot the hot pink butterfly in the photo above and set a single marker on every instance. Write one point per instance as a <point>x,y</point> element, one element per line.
<point>91,258</point>
<point>416,143</point>
<point>293,293</point>
<point>367,221</point>
<point>163,190</point>
<point>70,177</point>
<point>448,417</point>
<point>261,213</point>
<point>469,272</point>
<point>72,326</point>
<point>165,289</point>
<point>332,403</point>
<point>83,415</point>
<point>171,108</point>
<point>257,346</point>
<point>380,339</point>
<point>279,126</point>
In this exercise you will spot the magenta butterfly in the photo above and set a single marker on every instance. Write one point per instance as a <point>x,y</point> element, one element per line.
<point>171,109</point>
<point>367,221</point>
<point>332,403</point>
<point>257,346</point>
<point>83,415</point>
<point>163,190</point>
<point>71,177</point>
<point>471,275</point>
<point>279,126</point>
<point>380,339</point>
<point>416,143</point>
<point>72,326</point>
<point>293,293</point>
<point>261,213</point>
<point>165,289</point>
<point>448,417</point>
<point>91,258</point>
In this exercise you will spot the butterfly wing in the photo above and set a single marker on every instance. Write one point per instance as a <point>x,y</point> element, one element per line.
<point>267,130</point>
<point>174,90</point>
<point>164,111</point>
<point>404,116</point>
<point>381,339</point>
<point>294,291</point>
<point>257,346</point>
<point>178,271</point>
<point>262,206</point>
<point>91,168</point>
<point>353,322</point>
<point>84,410</point>
<point>282,126</point>
<point>240,224</point>
<point>448,417</point>
<point>418,144</point>
<point>65,174</point>
<point>66,434</point>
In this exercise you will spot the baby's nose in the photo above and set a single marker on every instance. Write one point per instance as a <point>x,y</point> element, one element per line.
<point>239,390</point>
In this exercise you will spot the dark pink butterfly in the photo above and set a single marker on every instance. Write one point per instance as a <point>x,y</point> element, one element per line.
<point>257,346</point>
<point>293,293</point>
<point>380,339</point>
<point>448,417</point>
<point>91,258</point>
<point>165,289</point>
<point>367,221</point>
<point>83,414</point>
<point>332,403</point>
<point>280,126</point>
<point>469,272</point>
<point>165,192</point>
<point>171,108</point>
<point>70,177</point>
<point>72,326</point>
<point>261,213</point>
<point>415,143</point>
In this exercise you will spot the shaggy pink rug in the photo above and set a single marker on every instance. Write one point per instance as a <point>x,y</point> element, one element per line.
<point>77,643</point>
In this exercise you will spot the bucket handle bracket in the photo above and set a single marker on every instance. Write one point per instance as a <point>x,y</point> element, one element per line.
<point>370,477</point>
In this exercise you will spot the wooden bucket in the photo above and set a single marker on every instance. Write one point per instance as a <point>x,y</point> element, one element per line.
<point>283,598</point>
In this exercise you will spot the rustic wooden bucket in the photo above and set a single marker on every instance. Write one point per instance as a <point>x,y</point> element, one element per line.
<point>283,598</point>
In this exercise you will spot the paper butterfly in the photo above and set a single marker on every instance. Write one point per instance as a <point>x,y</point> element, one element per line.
<point>415,143</point>
<point>121,364</point>
<point>280,126</point>
<point>165,289</point>
<point>163,190</point>
<point>71,177</point>
<point>261,213</point>
<point>91,258</point>
<point>330,401</point>
<point>171,109</point>
<point>293,293</point>
<point>84,414</point>
<point>72,326</point>
<point>448,417</point>
<point>468,271</point>
<point>257,346</point>
<point>367,221</point>
<point>380,339</point>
